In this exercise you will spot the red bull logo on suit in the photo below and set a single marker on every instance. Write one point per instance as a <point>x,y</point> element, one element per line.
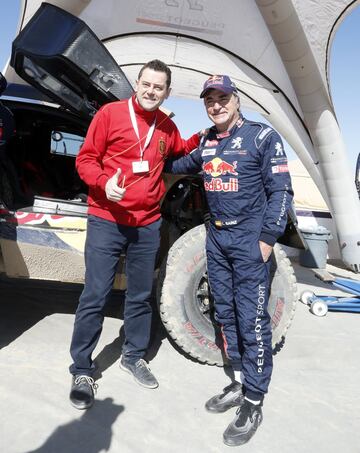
<point>218,167</point>
<point>218,185</point>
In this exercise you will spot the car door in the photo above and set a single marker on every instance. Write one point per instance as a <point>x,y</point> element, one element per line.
<point>61,57</point>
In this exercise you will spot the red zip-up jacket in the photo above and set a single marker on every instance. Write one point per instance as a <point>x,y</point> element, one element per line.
<point>111,143</point>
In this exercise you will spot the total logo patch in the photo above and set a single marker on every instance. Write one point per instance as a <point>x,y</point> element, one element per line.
<point>280,169</point>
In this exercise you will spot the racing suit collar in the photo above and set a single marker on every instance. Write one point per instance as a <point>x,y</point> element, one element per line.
<point>220,135</point>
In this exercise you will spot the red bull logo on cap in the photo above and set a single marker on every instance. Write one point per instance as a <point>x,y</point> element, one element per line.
<point>215,79</point>
<point>218,167</point>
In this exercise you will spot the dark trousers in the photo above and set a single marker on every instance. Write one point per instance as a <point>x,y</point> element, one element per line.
<point>239,281</point>
<point>105,241</point>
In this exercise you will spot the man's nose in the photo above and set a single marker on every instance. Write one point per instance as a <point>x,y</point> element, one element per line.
<point>150,89</point>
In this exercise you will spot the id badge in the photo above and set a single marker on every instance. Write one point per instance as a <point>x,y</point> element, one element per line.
<point>141,166</point>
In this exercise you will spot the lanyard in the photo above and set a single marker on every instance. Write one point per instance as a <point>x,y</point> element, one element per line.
<point>136,129</point>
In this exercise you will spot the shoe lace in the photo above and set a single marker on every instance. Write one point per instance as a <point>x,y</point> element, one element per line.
<point>86,380</point>
<point>142,365</point>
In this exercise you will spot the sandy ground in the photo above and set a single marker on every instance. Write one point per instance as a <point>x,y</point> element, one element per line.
<point>313,404</point>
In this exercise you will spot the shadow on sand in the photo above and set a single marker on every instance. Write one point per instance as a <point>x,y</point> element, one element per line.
<point>111,352</point>
<point>91,433</point>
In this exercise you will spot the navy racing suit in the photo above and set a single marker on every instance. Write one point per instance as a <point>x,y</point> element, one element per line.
<point>248,188</point>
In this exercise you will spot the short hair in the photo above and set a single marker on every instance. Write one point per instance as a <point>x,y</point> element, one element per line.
<point>159,66</point>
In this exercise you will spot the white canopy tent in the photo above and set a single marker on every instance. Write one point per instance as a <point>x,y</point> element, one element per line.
<point>276,51</point>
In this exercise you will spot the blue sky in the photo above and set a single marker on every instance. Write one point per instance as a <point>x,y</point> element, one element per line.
<point>190,115</point>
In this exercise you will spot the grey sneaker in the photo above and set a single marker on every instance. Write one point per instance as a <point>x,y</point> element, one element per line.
<point>83,390</point>
<point>243,427</point>
<point>231,396</point>
<point>141,372</point>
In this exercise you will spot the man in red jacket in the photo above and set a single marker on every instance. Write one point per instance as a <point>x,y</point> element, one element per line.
<point>121,161</point>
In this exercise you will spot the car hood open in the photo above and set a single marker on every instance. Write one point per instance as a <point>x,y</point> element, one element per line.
<point>60,55</point>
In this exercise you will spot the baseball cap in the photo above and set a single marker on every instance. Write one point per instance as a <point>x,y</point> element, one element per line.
<point>218,82</point>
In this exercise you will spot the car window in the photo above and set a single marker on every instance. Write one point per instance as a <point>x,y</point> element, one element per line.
<point>65,144</point>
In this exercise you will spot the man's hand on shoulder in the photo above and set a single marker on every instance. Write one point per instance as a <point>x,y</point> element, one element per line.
<point>113,191</point>
<point>266,250</point>
<point>203,132</point>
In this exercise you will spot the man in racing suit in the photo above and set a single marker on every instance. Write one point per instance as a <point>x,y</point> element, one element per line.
<point>248,189</point>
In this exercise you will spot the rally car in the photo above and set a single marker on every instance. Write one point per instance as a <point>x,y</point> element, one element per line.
<point>43,209</point>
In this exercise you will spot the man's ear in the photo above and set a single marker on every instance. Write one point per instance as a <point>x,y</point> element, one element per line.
<point>168,93</point>
<point>136,85</point>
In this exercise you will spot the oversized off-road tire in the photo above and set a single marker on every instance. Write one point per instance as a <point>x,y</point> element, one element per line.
<point>185,304</point>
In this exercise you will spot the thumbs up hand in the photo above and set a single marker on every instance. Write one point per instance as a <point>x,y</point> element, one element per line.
<point>113,191</point>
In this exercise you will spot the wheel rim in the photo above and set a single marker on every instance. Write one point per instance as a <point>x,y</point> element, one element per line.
<point>306,296</point>
<point>204,302</point>
<point>319,308</point>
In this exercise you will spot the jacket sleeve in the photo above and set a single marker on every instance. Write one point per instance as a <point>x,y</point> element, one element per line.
<point>89,160</point>
<point>277,185</point>
<point>180,146</point>
<point>190,164</point>
<point>191,143</point>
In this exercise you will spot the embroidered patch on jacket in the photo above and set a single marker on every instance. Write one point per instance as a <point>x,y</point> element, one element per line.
<point>162,147</point>
<point>211,143</point>
<point>209,152</point>
<point>240,152</point>
<point>280,169</point>
<point>236,142</point>
<point>279,160</point>
<point>279,149</point>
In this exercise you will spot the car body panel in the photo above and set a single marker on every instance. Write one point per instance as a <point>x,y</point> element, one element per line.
<point>71,66</point>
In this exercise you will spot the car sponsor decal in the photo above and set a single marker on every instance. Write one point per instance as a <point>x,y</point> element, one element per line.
<point>45,220</point>
<point>36,237</point>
